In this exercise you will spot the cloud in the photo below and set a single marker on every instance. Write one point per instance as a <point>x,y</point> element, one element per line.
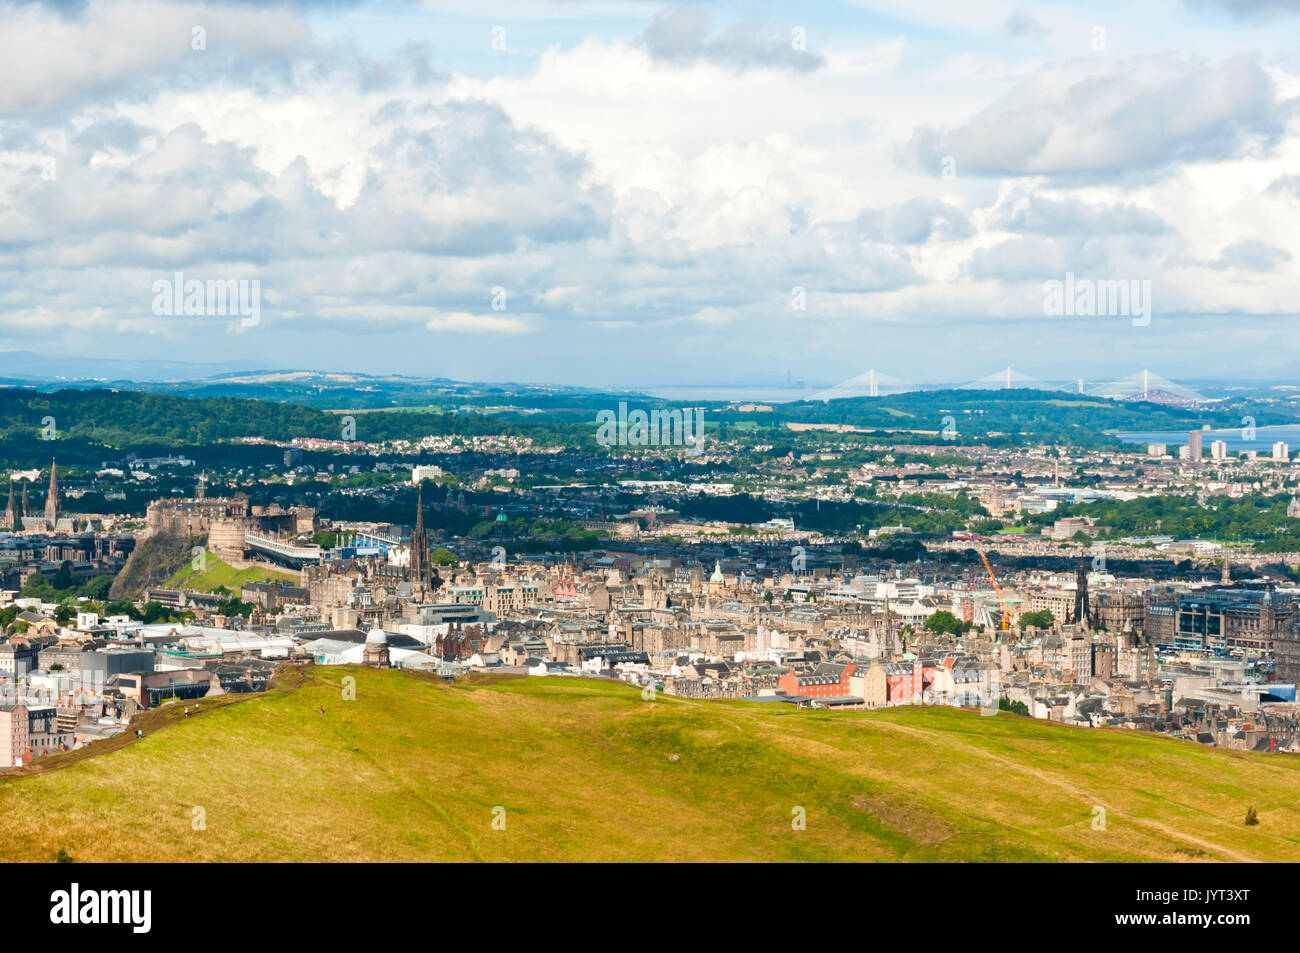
<point>1022,24</point>
<point>915,222</point>
<point>1248,9</point>
<point>1286,185</point>
<point>1035,259</point>
<point>53,58</point>
<point>1083,120</point>
<point>467,181</point>
<point>682,36</point>
<point>455,200</point>
<point>1042,215</point>
<point>1251,255</point>
<point>380,188</point>
<point>462,322</point>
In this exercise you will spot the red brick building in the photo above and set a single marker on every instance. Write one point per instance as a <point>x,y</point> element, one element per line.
<point>827,680</point>
<point>904,682</point>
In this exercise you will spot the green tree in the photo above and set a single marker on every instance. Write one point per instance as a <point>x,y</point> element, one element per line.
<point>63,579</point>
<point>152,612</point>
<point>1016,708</point>
<point>97,587</point>
<point>1039,619</point>
<point>945,621</point>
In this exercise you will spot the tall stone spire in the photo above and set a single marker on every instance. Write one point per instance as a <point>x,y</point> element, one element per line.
<point>26,511</point>
<point>52,497</point>
<point>419,575</point>
<point>1082,608</point>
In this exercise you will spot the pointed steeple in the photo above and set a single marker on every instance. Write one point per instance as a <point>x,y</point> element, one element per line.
<point>52,497</point>
<point>419,572</point>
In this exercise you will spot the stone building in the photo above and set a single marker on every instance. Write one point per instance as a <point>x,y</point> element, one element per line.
<point>375,653</point>
<point>192,517</point>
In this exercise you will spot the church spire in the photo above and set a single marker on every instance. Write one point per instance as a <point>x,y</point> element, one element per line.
<point>52,497</point>
<point>419,570</point>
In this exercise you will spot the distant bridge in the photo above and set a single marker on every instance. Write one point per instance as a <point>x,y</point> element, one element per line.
<point>286,554</point>
<point>869,383</point>
<point>1145,385</point>
<point>1149,387</point>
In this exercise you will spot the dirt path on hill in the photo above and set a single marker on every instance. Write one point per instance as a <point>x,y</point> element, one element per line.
<point>1075,791</point>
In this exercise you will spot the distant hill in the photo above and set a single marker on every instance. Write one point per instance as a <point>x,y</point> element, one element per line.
<point>123,419</point>
<point>414,769</point>
<point>89,421</point>
<point>30,366</point>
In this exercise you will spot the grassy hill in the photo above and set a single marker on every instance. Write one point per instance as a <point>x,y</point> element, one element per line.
<point>219,573</point>
<point>412,769</point>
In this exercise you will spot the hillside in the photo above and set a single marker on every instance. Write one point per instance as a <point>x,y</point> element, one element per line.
<point>154,559</point>
<point>413,768</point>
<point>217,573</point>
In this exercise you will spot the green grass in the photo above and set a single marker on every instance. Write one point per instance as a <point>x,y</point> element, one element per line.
<point>217,573</point>
<point>412,769</point>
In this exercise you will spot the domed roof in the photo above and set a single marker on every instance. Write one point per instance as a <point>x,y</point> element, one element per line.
<point>377,637</point>
<point>717,573</point>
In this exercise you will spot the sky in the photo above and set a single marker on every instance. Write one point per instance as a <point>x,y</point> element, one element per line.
<point>633,193</point>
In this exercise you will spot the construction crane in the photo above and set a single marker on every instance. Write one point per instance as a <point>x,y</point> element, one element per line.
<point>1006,611</point>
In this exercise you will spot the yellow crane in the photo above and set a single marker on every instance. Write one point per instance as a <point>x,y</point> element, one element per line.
<point>1006,611</point>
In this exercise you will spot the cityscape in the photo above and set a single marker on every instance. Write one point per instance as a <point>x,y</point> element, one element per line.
<point>637,432</point>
